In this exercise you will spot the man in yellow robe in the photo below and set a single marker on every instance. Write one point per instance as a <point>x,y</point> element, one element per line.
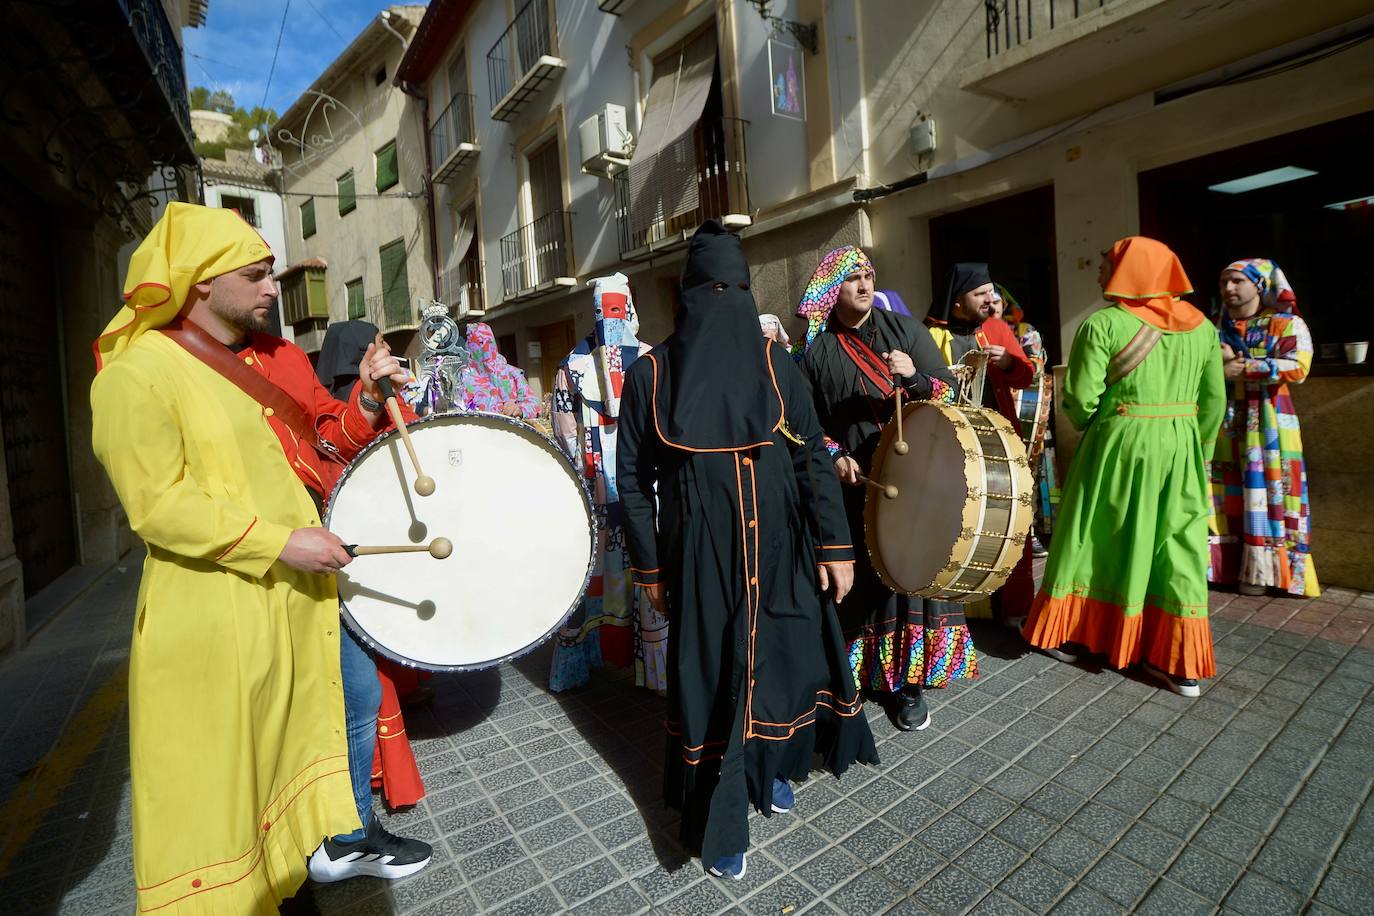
<point>239,760</point>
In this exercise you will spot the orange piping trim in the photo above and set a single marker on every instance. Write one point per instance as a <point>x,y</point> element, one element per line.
<point>653,400</point>
<point>226,550</point>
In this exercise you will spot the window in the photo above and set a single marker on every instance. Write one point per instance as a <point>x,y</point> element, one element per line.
<point>348,198</point>
<point>304,296</point>
<point>379,77</point>
<point>308,218</point>
<point>387,174</point>
<point>357,305</point>
<point>395,284</point>
<point>246,206</point>
<point>546,180</point>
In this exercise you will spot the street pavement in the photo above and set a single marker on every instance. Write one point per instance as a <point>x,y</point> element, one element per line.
<point>1040,787</point>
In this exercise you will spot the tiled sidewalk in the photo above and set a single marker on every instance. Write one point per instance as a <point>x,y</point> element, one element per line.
<point>1040,787</point>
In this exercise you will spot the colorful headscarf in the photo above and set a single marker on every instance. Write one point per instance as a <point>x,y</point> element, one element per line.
<point>190,244</point>
<point>824,287</point>
<point>597,365</point>
<point>1275,292</point>
<point>1147,280</point>
<point>1012,313</point>
<point>769,322</point>
<point>489,381</point>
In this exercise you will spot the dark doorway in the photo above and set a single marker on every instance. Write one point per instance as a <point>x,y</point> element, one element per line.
<point>31,386</point>
<point>1015,236</point>
<point>1319,227</point>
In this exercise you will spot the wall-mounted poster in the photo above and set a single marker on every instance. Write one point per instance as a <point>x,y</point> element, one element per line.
<point>786,83</point>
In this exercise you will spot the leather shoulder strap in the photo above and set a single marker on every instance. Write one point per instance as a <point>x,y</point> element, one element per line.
<point>1133,354</point>
<point>194,340</point>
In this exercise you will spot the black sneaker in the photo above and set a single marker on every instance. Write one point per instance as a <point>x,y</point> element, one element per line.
<point>909,711</point>
<point>379,854</point>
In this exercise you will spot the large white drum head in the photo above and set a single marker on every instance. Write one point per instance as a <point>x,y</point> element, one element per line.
<point>522,531</point>
<point>914,532</point>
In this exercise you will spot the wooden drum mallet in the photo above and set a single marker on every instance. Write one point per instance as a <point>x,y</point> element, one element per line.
<point>424,484</point>
<point>439,549</point>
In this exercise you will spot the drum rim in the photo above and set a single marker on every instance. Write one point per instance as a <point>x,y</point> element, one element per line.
<point>357,629</point>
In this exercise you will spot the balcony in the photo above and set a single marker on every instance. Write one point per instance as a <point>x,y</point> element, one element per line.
<point>716,164</point>
<point>453,138</point>
<point>521,63</point>
<point>309,334</point>
<point>462,291</point>
<point>393,317</point>
<point>535,258</point>
<point>1043,49</point>
<point>615,7</point>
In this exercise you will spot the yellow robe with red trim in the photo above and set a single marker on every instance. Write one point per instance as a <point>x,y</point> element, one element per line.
<point>237,741</point>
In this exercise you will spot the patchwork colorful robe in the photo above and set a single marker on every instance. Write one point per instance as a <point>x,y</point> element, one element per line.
<point>1260,523</point>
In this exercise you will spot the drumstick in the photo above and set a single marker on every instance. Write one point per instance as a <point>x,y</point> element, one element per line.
<point>424,485</point>
<point>900,446</point>
<point>439,548</point>
<point>887,490</point>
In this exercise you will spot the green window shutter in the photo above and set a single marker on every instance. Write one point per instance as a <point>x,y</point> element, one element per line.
<point>348,198</point>
<point>357,305</point>
<point>387,174</point>
<point>395,284</point>
<point>308,218</point>
<point>293,304</point>
<point>317,293</point>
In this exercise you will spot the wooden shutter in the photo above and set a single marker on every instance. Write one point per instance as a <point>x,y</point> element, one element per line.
<point>357,305</point>
<point>348,198</point>
<point>293,303</point>
<point>546,181</point>
<point>387,174</point>
<point>317,294</point>
<point>395,284</point>
<point>308,218</point>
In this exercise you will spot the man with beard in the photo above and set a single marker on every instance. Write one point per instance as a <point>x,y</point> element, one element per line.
<point>238,742</point>
<point>960,324</point>
<point>858,354</point>
<point>736,531</point>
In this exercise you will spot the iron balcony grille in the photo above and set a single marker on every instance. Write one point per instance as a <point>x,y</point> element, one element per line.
<point>535,256</point>
<point>396,316</point>
<point>454,132</point>
<point>462,287</point>
<point>720,170</point>
<point>154,35</point>
<point>1011,23</point>
<point>522,60</point>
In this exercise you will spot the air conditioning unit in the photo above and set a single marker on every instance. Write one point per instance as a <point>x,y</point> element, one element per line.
<point>605,140</point>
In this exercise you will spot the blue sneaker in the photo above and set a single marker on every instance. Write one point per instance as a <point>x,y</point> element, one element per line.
<point>783,798</point>
<point>729,866</point>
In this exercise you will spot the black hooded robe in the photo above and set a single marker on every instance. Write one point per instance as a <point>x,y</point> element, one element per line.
<point>894,640</point>
<point>758,679</point>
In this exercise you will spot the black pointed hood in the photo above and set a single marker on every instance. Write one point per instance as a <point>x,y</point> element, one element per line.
<point>714,388</point>
<point>344,345</point>
<point>962,277</point>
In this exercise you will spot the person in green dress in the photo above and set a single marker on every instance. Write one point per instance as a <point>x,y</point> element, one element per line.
<point>1127,572</point>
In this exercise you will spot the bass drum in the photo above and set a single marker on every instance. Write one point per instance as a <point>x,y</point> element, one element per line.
<point>523,536</point>
<point>963,506</point>
<point>1033,408</point>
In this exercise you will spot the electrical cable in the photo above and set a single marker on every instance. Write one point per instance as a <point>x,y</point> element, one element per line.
<point>273,69</point>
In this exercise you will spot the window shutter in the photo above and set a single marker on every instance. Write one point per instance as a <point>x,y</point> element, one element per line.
<point>357,305</point>
<point>308,218</point>
<point>318,295</point>
<point>395,284</point>
<point>293,303</point>
<point>387,174</point>
<point>348,198</point>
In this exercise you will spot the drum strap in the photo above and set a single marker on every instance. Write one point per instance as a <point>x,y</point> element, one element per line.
<point>194,340</point>
<point>870,364</point>
<point>1133,354</point>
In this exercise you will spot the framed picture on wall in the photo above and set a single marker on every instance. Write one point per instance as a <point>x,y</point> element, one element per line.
<point>786,82</point>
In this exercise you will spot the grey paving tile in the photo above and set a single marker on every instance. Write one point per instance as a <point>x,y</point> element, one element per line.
<point>912,814</point>
<point>1296,869</point>
<point>1255,895</point>
<point>1169,899</point>
<point>617,833</point>
<point>831,868</point>
<point>1024,828</point>
<point>604,810</point>
<point>496,889</point>
<point>1309,834</point>
<point>1016,783</point>
<point>911,865</point>
<point>587,880</point>
<point>1035,886</point>
<point>493,858</point>
<point>1083,901</point>
<point>1055,802</point>
<point>998,904</point>
<point>549,833</point>
<point>952,891</point>
<point>1119,879</point>
<point>1149,847</point>
<point>762,870</point>
<point>540,812</point>
<point>570,855</point>
<point>1205,874</point>
<point>1070,852</point>
<point>950,835</point>
<point>1198,789</point>
<point>1150,771</point>
<point>459,903</point>
<point>775,898</point>
<point>621,900</point>
<point>873,841</point>
<point>1100,822</point>
<point>1175,815</point>
<point>985,808</point>
<point>659,884</point>
<point>704,897</point>
<point>425,887</point>
<point>869,892</point>
<point>1347,891</point>
<point>1228,839</point>
<point>1253,811</point>
<point>990,859</point>
<point>539,902</point>
<point>1357,854</point>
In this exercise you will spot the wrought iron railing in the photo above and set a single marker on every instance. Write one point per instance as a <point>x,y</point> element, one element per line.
<point>1011,23</point>
<point>720,169</point>
<point>455,125</point>
<point>148,22</point>
<point>535,253</point>
<point>398,314</point>
<point>528,38</point>
<point>461,287</point>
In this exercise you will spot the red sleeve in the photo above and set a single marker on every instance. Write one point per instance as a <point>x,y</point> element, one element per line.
<point>337,422</point>
<point>1022,372</point>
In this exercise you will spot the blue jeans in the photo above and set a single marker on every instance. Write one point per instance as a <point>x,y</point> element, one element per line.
<point>362,698</point>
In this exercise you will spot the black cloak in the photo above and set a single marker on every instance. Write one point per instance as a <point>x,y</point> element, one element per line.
<point>344,346</point>
<point>730,507</point>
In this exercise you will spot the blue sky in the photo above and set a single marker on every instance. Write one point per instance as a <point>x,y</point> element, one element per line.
<point>233,50</point>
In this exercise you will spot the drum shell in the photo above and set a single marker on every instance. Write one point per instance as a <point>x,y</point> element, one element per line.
<point>979,519</point>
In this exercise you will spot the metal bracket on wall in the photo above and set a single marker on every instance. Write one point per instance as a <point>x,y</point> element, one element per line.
<point>804,32</point>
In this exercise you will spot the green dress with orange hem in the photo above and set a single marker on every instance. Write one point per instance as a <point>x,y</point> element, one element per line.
<point>1127,572</point>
